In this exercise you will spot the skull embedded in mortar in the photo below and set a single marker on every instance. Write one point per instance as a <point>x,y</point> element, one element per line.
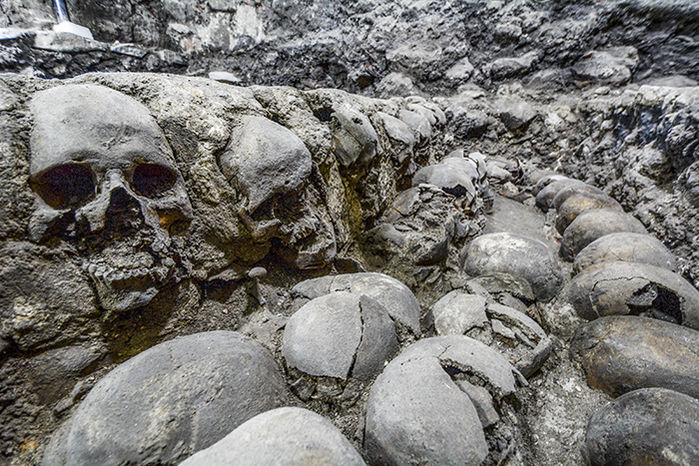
<point>105,179</point>
<point>270,166</point>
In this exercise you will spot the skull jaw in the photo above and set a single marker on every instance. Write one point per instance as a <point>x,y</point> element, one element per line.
<point>125,299</point>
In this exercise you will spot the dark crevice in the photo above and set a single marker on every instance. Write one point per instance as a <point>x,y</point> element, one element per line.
<point>324,114</point>
<point>656,301</point>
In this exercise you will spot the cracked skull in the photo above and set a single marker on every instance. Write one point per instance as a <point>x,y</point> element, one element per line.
<point>105,179</point>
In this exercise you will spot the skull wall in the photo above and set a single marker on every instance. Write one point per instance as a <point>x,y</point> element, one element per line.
<point>136,206</point>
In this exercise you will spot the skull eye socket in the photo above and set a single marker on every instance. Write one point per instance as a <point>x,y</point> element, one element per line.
<point>152,180</point>
<point>66,186</point>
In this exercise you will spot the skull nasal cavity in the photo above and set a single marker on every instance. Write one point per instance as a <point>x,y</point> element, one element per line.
<point>120,200</point>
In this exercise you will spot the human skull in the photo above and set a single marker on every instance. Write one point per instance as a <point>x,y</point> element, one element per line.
<point>270,166</point>
<point>105,178</point>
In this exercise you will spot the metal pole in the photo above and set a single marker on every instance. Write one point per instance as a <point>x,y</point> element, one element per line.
<point>61,10</point>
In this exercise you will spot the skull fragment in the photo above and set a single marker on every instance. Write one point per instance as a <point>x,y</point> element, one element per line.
<point>105,179</point>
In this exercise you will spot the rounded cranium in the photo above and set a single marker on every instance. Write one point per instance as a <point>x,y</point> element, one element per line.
<point>104,173</point>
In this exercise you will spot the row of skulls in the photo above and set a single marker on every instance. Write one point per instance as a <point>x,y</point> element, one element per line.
<point>105,179</point>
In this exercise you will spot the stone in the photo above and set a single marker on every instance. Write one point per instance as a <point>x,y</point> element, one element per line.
<point>517,255</point>
<point>467,122</point>
<point>458,312</point>
<point>579,203</point>
<point>10,33</point>
<point>418,123</point>
<point>395,84</point>
<point>460,71</point>
<point>229,6</point>
<point>42,302</point>
<point>422,110</point>
<point>610,66</point>
<point>170,401</point>
<point>66,42</point>
<point>131,50</point>
<point>593,224</point>
<point>509,67</point>
<point>646,426</point>
<point>354,138</point>
<point>399,132</point>
<point>455,176</point>
<point>624,353</point>
<point>500,329</point>
<point>482,401</point>
<point>432,106</point>
<point>224,77</point>
<point>418,228</point>
<point>340,335</point>
<point>415,58</point>
<point>618,288</point>
<point>283,436</point>
<point>264,159</point>
<point>515,113</point>
<point>394,296</point>
<point>625,247</point>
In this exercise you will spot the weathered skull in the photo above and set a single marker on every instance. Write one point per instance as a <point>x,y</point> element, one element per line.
<point>105,175</point>
<point>271,166</point>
